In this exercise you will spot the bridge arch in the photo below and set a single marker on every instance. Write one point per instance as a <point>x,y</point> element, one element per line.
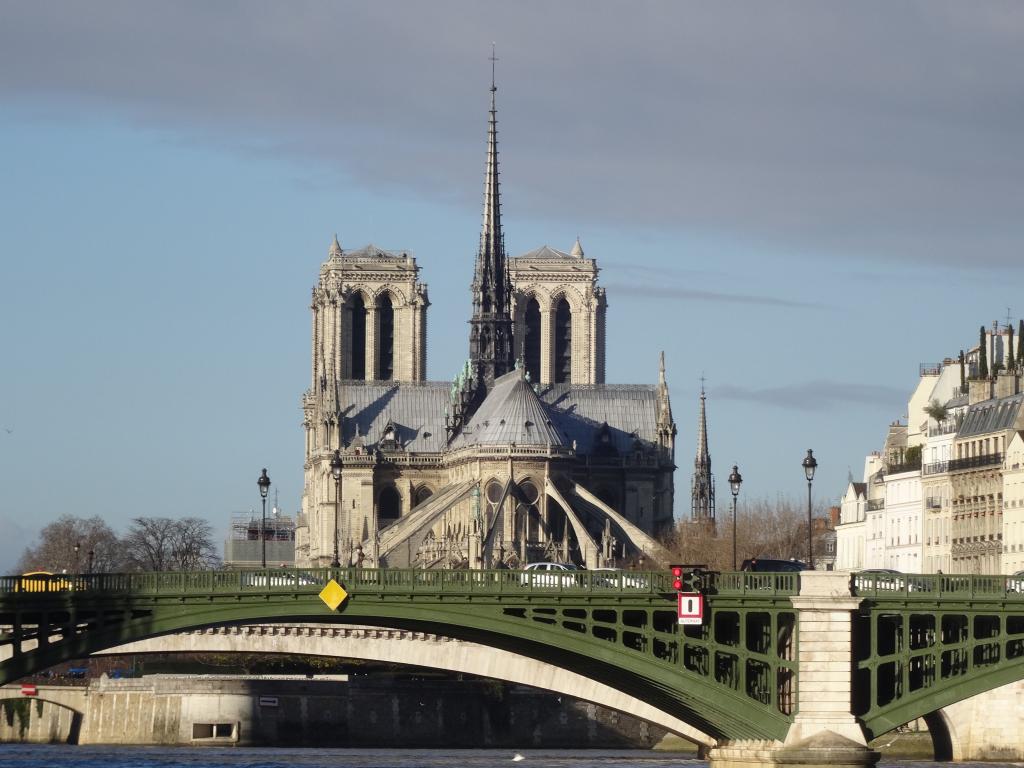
<point>52,717</point>
<point>396,646</point>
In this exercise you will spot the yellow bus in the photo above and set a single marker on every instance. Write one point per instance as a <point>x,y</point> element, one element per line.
<point>43,581</point>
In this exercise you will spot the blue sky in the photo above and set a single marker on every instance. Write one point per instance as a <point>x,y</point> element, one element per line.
<point>800,204</point>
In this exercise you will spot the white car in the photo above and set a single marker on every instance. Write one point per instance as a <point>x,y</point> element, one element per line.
<point>616,577</point>
<point>881,578</point>
<point>551,575</point>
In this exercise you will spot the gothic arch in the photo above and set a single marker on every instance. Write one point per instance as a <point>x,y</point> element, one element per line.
<point>385,336</point>
<point>355,329</point>
<point>527,517</point>
<point>389,505</point>
<point>563,322</point>
<point>421,494</point>
<point>533,342</point>
<point>571,296</point>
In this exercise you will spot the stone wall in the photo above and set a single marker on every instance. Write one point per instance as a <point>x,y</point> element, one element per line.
<point>357,712</point>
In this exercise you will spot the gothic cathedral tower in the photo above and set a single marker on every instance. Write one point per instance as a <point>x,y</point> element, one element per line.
<point>490,335</point>
<point>703,488</point>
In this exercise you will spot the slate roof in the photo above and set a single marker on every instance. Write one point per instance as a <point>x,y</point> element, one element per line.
<point>547,252</point>
<point>561,414</point>
<point>416,408</point>
<point>990,416</point>
<point>511,413</point>
<point>580,410</point>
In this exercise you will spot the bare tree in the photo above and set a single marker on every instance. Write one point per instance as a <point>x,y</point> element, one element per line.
<point>765,528</point>
<point>164,544</point>
<point>56,550</point>
<point>193,546</point>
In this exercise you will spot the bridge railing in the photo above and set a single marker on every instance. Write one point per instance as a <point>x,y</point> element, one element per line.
<point>931,585</point>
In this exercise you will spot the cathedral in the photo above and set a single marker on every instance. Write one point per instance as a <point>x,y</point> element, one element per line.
<point>526,455</point>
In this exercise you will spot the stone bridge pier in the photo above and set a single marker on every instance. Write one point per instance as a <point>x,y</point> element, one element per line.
<point>824,731</point>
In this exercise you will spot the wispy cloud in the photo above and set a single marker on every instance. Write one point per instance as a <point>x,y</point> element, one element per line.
<point>668,292</point>
<point>819,395</point>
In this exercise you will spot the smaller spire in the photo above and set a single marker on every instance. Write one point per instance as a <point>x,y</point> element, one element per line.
<point>661,370</point>
<point>577,249</point>
<point>335,249</point>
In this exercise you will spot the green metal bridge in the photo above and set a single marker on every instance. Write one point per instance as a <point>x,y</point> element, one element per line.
<point>918,642</point>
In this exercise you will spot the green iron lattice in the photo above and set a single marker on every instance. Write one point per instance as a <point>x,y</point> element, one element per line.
<point>734,676</point>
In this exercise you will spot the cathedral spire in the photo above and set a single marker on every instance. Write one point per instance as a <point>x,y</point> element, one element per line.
<point>490,340</point>
<point>703,487</point>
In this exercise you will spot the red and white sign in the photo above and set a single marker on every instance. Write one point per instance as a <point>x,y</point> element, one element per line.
<point>691,608</point>
<point>27,689</point>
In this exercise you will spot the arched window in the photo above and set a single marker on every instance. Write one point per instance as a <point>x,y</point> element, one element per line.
<point>389,506</point>
<point>527,514</point>
<point>422,494</point>
<point>493,495</point>
<point>563,342</point>
<point>386,341</point>
<point>357,336</point>
<point>531,339</point>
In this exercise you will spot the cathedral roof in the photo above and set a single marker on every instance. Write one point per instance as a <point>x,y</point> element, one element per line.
<point>547,252</point>
<point>597,418</point>
<point>585,413</point>
<point>416,409</point>
<point>511,413</point>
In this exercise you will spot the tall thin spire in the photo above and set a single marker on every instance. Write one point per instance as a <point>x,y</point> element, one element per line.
<point>703,486</point>
<point>490,340</point>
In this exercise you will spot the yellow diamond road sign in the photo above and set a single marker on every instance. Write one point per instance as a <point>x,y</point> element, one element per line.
<point>333,594</point>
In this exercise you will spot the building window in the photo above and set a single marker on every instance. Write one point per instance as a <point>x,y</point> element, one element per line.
<point>389,506</point>
<point>563,342</point>
<point>422,494</point>
<point>527,514</point>
<point>357,336</point>
<point>531,340</point>
<point>386,340</point>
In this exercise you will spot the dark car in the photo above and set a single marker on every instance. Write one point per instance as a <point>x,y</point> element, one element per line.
<point>767,565</point>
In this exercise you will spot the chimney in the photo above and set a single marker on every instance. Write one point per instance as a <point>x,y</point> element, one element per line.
<point>1007,384</point>
<point>979,390</point>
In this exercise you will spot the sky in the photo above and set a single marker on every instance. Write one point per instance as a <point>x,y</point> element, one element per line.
<point>799,201</point>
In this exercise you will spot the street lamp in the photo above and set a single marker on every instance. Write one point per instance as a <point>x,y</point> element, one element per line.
<point>264,483</point>
<point>336,465</point>
<point>78,546</point>
<point>810,464</point>
<point>734,485</point>
<point>92,554</point>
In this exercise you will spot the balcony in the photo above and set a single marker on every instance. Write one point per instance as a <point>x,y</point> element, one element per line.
<point>943,428</point>
<point>936,468</point>
<point>875,504</point>
<point>909,466</point>
<point>974,462</point>
<point>933,502</point>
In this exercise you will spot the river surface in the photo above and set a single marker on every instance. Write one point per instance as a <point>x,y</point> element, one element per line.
<point>62,756</point>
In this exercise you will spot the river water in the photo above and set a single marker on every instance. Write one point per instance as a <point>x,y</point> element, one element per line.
<point>62,756</point>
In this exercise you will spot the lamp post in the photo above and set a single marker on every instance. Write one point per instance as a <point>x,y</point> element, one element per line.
<point>336,465</point>
<point>810,464</point>
<point>264,483</point>
<point>77,547</point>
<point>92,554</point>
<point>734,485</point>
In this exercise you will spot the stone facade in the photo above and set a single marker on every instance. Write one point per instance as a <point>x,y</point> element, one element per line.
<point>364,711</point>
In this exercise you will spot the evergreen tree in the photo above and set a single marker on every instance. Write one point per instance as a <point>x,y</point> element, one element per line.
<point>1020,343</point>
<point>1010,364</point>
<point>982,355</point>
<point>963,375</point>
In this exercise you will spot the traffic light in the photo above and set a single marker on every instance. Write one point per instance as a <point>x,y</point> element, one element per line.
<point>687,578</point>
